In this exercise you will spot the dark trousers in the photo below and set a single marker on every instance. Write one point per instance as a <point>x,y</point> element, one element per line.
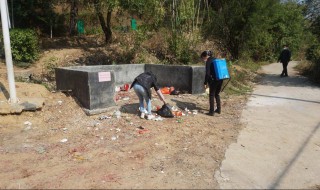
<point>214,93</point>
<point>284,71</point>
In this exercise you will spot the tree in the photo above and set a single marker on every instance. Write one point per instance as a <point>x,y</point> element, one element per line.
<point>105,25</point>
<point>256,28</point>
<point>271,26</point>
<point>230,19</point>
<point>73,17</point>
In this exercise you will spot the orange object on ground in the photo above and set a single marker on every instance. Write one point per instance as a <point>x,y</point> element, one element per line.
<point>165,90</point>
<point>177,113</point>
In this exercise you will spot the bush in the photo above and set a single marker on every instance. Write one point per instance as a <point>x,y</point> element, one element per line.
<point>313,54</point>
<point>24,45</point>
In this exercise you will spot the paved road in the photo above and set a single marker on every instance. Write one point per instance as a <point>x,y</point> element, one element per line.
<point>280,146</point>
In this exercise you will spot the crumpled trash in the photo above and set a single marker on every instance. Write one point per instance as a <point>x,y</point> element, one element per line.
<point>173,108</point>
<point>64,140</point>
<point>126,98</point>
<point>158,118</point>
<point>28,123</point>
<point>117,114</point>
<point>125,87</point>
<point>117,89</point>
<point>194,112</point>
<point>114,138</point>
<point>60,102</point>
<point>103,117</point>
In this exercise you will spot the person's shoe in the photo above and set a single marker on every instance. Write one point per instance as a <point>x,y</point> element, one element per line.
<point>218,111</point>
<point>150,116</point>
<point>142,115</point>
<point>211,113</point>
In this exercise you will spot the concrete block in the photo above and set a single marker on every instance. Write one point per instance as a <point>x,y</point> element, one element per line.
<point>93,86</point>
<point>198,74</point>
<point>179,77</point>
<point>96,95</point>
<point>123,73</point>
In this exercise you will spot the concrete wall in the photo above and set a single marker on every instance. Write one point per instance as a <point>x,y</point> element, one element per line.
<point>123,73</point>
<point>91,93</point>
<point>198,73</point>
<point>179,77</point>
<point>96,95</point>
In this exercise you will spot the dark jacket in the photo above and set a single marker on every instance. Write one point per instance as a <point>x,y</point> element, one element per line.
<point>285,56</point>
<point>210,74</point>
<point>148,80</point>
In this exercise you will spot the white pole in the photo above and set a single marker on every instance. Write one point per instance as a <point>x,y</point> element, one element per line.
<point>12,13</point>
<point>7,48</point>
<point>8,19</point>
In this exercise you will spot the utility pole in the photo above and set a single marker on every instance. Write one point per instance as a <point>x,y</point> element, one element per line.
<point>7,48</point>
<point>12,17</point>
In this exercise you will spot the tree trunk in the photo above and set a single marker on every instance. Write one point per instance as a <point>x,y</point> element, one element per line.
<point>73,17</point>
<point>106,27</point>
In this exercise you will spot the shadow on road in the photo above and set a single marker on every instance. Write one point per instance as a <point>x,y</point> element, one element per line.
<point>279,178</point>
<point>287,98</point>
<point>276,80</point>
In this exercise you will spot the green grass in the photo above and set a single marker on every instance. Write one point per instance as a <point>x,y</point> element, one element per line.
<point>243,74</point>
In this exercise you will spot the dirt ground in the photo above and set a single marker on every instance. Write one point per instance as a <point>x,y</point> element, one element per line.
<point>61,147</point>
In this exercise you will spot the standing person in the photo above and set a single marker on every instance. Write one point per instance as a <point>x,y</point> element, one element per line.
<point>211,82</point>
<point>142,85</point>
<point>284,58</point>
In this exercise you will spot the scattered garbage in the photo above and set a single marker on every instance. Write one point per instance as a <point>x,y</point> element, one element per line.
<point>158,118</point>
<point>117,114</point>
<point>140,127</point>
<point>179,121</point>
<point>103,117</point>
<point>60,102</point>
<point>114,138</point>
<point>175,92</point>
<point>28,123</point>
<point>165,111</point>
<point>167,90</point>
<point>118,130</point>
<point>177,113</point>
<point>64,140</point>
<point>125,87</point>
<point>126,98</point>
<point>194,112</point>
<point>117,89</point>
